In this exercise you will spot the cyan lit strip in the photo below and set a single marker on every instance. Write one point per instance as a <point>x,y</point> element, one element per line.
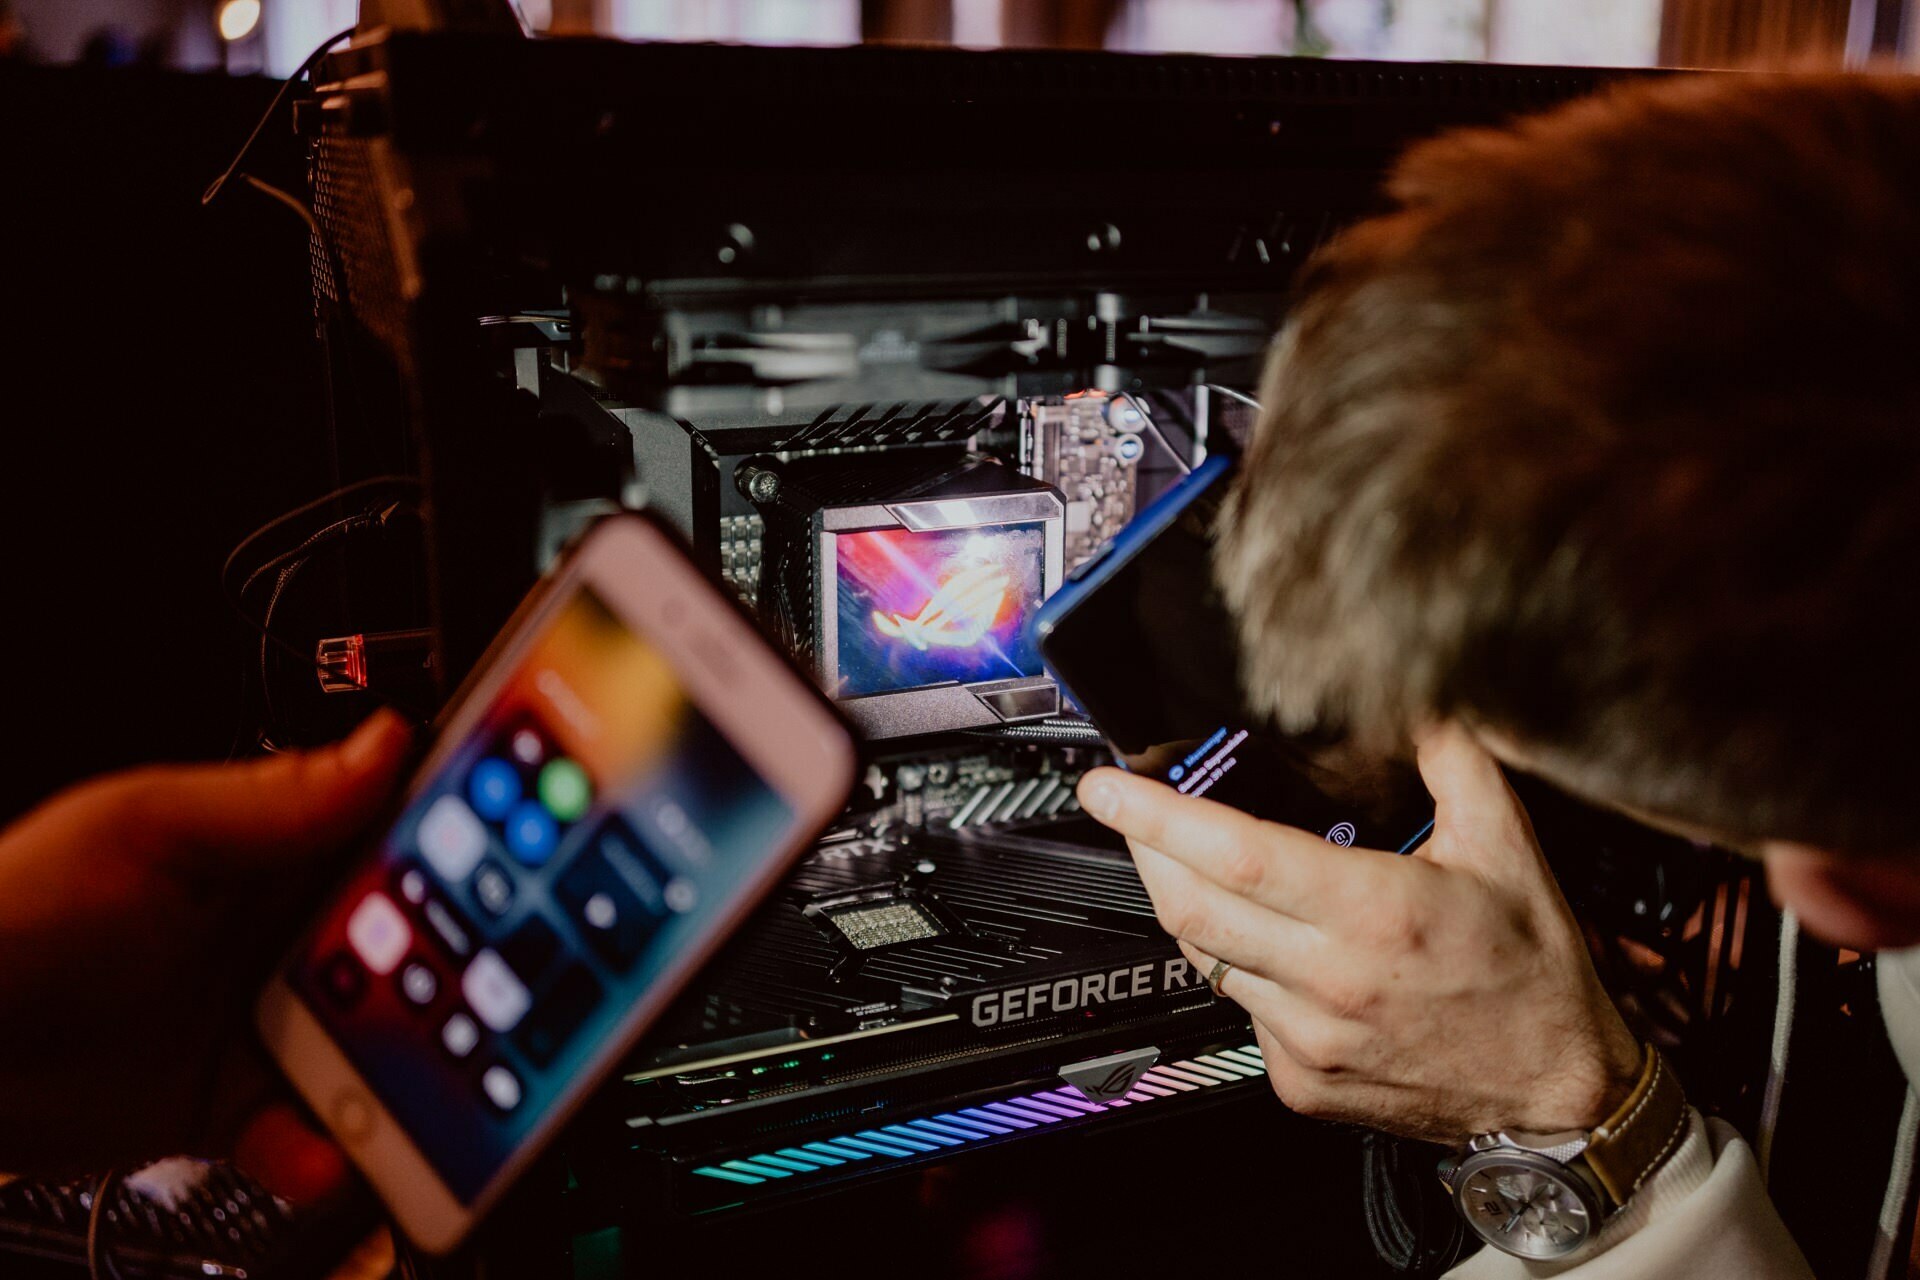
<point>894,1133</point>
<point>974,1119</point>
<point>728,1175</point>
<point>887,1145</point>
<point>922,1134</point>
<point>935,1130</point>
<point>819,1160</point>
<point>757,1170</point>
<point>940,1133</point>
<point>968,1128</point>
<point>834,1149</point>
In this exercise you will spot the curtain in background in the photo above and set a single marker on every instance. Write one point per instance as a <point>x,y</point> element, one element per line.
<point>1702,33</point>
<point>1737,33</point>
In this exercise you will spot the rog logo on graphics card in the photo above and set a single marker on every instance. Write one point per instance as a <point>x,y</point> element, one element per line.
<point>1111,1077</point>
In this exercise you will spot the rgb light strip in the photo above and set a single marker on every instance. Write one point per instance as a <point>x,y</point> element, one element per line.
<point>911,1139</point>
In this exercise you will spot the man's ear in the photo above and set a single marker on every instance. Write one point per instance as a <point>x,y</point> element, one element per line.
<point>1869,902</point>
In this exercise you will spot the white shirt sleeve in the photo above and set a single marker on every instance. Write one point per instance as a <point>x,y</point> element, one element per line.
<point>1704,1215</point>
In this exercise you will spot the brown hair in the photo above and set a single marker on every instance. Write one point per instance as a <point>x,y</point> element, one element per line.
<point>1606,438</point>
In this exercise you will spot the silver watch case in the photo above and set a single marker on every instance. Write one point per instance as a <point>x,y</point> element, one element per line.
<point>1521,1194</point>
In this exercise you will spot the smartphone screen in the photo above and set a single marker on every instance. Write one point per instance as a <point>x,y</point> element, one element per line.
<point>588,827</point>
<point>1144,645</point>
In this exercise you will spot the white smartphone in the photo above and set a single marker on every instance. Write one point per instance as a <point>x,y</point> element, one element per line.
<point>629,770</point>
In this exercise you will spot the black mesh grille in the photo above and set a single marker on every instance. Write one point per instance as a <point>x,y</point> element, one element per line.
<point>346,201</point>
<point>894,424</point>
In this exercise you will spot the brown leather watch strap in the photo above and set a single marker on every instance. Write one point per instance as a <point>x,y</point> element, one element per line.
<point>1630,1144</point>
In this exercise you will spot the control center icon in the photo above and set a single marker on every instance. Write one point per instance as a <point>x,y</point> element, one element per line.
<point>1342,834</point>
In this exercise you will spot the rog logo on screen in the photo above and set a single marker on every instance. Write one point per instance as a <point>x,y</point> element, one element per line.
<point>957,616</point>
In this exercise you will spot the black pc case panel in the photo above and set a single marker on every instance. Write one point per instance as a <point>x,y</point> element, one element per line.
<point>805,253</point>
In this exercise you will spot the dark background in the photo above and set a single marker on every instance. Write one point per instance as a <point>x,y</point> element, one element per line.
<point>162,398</point>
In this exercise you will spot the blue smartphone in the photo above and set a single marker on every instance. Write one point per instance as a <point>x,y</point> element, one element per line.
<point>1140,640</point>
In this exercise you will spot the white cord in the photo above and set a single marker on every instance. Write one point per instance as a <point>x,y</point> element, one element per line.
<point>1899,1182</point>
<point>1229,392</point>
<point>1782,1039</point>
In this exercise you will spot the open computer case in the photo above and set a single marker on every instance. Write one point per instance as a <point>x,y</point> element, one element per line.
<point>895,338</point>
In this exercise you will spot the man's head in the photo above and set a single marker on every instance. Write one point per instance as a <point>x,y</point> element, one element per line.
<point>1606,441</point>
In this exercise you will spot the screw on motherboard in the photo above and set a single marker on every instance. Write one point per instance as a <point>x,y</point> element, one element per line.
<point>758,484</point>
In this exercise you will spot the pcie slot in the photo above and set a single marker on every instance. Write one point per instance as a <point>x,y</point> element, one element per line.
<point>1048,784</point>
<point>1004,811</point>
<point>965,815</point>
<point>975,806</point>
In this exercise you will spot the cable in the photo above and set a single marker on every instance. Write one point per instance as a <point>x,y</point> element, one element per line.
<point>237,600</point>
<point>1171,404</point>
<point>296,560</point>
<point>1051,729</point>
<point>410,1268</point>
<point>284,567</point>
<point>1231,394</point>
<point>1782,1040</point>
<point>298,207</point>
<point>213,190</point>
<point>369,485</point>
<point>288,199</point>
<point>1893,1207</point>
<point>1153,429</point>
<point>99,1261</point>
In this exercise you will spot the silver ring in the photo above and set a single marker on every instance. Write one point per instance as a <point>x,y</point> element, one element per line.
<point>1218,975</point>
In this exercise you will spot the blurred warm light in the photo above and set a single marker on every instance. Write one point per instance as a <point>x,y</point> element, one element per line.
<point>238,18</point>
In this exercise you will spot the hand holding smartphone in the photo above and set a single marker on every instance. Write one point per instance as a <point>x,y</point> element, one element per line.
<point>1140,640</point>
<point>631,768</point>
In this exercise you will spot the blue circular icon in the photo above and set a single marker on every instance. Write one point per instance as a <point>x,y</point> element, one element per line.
<point>1176,773</point>
<point>531,833</point>
<point>494,788</point>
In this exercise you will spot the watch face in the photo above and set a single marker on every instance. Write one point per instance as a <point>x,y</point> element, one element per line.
<point>1525,1204</point>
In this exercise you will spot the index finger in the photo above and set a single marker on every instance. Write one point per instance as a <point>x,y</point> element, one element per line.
<point>1284,869</point>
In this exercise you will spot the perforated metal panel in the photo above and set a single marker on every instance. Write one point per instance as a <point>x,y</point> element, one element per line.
<point>357,245</point>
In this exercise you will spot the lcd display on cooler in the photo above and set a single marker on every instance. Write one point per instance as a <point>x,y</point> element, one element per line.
<point>923,607</point>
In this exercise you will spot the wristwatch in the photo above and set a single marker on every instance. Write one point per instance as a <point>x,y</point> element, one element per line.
<point>1544,1195</point>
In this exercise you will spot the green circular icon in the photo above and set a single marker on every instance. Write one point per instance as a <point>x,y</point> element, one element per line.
<point>565,791</point>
